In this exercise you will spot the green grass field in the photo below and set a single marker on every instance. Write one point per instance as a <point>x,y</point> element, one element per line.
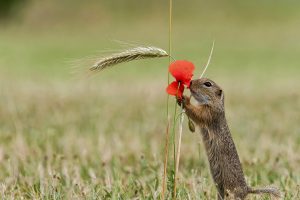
<point>64,136</point>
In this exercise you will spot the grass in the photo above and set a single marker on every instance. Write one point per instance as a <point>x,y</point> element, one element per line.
<point>98,138</point>
<point>68,140</point>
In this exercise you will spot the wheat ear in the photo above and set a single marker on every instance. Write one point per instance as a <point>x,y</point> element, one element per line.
<point>128,55</point>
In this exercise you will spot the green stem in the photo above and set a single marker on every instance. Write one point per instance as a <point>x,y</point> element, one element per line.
<point>174,141</point>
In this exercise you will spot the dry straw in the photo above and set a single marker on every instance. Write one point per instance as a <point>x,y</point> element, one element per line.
<point>136,53</point>
<point>168,98</point>
<point>208,61</point>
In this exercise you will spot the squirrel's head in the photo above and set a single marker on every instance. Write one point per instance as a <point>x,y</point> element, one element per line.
<point>207,92</point>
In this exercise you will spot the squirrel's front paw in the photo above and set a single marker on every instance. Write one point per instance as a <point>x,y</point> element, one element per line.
<point>185,100</point>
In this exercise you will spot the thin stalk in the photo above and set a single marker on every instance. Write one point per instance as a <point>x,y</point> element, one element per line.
<point>173,134</point>
<point>168,97</point>
<point>166,158</point>
<point>179,147</point>
<point>208,62</point>
<point>174,143</point>
<point>173,128</point>
<point>209,58</point>
<point>174,147</point>
<point>170,29</point>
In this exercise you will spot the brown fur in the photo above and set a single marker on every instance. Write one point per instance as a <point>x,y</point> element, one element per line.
<point>225,165</point>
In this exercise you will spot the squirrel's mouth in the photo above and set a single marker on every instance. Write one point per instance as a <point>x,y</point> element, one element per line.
<point>193,93</point>
<point>200,98</point>
<point>191,89</point>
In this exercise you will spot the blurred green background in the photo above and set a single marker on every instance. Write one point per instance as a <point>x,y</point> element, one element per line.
<point>66,136</point>
<point>255,38</point>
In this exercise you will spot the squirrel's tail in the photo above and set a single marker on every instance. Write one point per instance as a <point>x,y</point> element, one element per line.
<point>275,192</point>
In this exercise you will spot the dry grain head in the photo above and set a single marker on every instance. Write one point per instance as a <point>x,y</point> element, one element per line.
<point>136,53</point>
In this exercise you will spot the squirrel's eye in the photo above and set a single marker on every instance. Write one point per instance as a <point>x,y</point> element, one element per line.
<point>208,84</point>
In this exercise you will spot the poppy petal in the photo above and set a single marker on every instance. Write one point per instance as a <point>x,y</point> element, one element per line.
<point>174,89</point>
<point>182,71</point>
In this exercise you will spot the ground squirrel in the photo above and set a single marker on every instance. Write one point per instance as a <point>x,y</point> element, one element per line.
<point>225,165</point>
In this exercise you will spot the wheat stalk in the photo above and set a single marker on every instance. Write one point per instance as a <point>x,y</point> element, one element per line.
<point>128,55</point>
<point>168,98</point>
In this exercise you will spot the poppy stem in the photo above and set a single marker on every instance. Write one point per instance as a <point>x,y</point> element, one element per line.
<point>174,143</point>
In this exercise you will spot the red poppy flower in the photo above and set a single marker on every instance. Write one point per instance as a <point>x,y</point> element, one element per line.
<point>182,71</point>
<point>175,89</point>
